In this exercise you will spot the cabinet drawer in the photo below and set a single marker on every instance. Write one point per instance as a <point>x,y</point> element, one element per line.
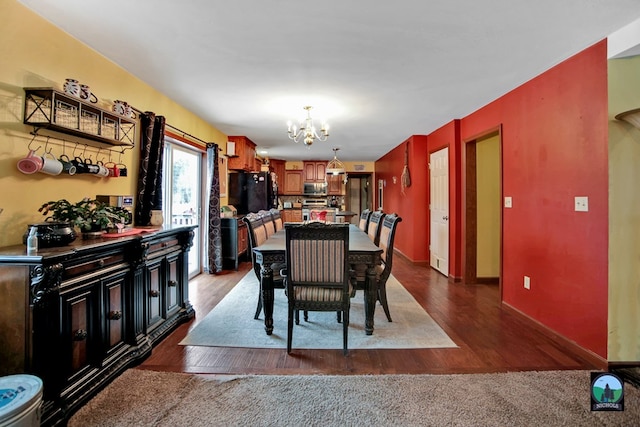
<point>92,264</point>
<point>161,247</point>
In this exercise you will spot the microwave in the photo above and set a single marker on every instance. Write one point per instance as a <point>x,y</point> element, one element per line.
<point>315,189</point>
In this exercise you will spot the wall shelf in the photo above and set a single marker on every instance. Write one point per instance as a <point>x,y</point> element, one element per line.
<point>48,108</point>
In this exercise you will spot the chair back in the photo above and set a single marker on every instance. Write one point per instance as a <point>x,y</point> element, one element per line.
<point>374,226</point>
<point>387,236</point>
<point>364,220</point>
<point>267,221</point>
<point>257,234</point>
<point>316,254</point>
<point>317,277</point>
<point>277,218</point>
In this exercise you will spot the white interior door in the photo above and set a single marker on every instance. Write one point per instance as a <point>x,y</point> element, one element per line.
<point>439,210</point>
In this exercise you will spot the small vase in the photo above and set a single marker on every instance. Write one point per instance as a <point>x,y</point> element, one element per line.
<point>156,217</point>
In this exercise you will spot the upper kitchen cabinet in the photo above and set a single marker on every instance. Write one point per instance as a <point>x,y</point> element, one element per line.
<point>293,182</point>
<point>335,185</point>
<point>242,157</point>
<point>278,167</point>
<point>314,171</point>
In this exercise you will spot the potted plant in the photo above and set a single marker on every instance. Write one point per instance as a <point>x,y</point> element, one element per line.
<point>90,216</point>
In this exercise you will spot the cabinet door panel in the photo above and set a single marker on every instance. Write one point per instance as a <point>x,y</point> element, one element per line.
<point>79,332</point>
<point>172,298</point>
<point>153,296</point>
<point>293,183</point>
<point>115,317</point>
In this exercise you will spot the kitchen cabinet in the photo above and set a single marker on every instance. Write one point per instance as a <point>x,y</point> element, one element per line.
<point>314,171</point>
<point>335,185</point>
<point>234,240</point>
<point>78,315</point>
<point>278,167</point>
<point>293,182</point>
<point>245,154</point>
<point>291,215</point>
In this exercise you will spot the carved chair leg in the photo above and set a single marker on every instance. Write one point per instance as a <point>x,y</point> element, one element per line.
<point>382,297</point>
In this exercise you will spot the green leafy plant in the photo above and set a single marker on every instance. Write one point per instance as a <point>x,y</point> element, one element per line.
<point>87,214</point>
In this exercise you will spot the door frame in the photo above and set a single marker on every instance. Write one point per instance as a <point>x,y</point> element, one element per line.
<point>200,231</point>
<point>429,194</point>
<point>470,207</point>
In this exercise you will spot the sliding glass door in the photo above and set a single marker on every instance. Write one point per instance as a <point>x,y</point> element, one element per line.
<point>183,194</point>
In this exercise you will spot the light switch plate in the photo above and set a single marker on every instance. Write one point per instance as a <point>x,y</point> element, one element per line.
<point>508,202</point>
<point>582,204</point>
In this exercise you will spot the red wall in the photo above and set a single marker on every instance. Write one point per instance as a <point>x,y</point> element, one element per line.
<point>413,206</point>
<point>554,147</point>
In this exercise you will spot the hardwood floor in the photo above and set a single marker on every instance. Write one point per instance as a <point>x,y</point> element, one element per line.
<point>490,338</point>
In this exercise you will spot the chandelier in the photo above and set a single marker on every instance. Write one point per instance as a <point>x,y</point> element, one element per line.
<point>335,166</point>
<point>307,131</point>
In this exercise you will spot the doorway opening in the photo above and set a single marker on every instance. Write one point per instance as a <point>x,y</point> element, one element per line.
<point>482,261</point>
<point>359,194</point>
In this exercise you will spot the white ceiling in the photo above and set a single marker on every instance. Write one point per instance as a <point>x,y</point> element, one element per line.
<point>377,71</point>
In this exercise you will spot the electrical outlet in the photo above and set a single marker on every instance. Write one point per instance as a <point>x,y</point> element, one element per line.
<point>582,204</point>
<point>527,282</point>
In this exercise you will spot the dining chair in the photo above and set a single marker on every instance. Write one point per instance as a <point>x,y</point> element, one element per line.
<point>387,237</point>
<point>267,221</point>
<point>373,227</point>
<point>317,272</point>
<point>277,218</point>
<point>359,276</point>
<point>364,220</point>
<point>257,234</point>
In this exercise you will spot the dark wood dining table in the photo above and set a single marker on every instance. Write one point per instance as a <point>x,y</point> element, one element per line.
<point>361,251</point>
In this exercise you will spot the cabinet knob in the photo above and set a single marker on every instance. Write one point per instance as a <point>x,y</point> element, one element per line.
<point>153,293</point>
<point>80,335</point>
<point>173,283</point>
<point>115,315</point>
<point>100,263</point>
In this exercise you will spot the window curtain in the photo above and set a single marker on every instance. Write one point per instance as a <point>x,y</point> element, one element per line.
<point>149,194</point>
<point>214,246</point>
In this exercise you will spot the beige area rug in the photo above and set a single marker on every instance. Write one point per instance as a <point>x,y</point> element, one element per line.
<point>231,323</point>
<point>553,398</point>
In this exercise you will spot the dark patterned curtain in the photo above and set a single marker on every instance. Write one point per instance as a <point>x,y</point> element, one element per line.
<point>214,247</point>
<point>149,195</point>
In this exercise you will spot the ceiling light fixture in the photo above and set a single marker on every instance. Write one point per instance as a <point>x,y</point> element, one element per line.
<point>335,166</point>
<point>307,131</point>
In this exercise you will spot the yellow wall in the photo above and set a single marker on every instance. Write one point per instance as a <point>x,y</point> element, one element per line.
<point>488,205</point>
<point>36,54</point>
<point>624,213</point>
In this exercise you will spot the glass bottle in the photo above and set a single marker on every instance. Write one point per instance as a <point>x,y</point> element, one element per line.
<point>32,241</point>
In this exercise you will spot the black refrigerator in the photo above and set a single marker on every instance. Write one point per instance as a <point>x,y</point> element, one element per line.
<point>252,191</point>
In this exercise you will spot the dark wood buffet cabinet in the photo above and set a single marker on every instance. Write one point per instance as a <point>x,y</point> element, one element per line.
<point>77,316</point>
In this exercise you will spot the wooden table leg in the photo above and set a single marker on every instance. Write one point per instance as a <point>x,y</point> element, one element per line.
<point>370,299</point>
<point>266,289</point>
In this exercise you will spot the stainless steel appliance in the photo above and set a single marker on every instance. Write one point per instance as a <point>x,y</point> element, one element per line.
<point>315,189</point>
